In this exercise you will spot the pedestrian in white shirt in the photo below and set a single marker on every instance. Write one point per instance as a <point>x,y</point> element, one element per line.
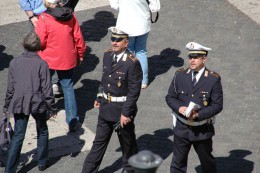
<point>134,18</point>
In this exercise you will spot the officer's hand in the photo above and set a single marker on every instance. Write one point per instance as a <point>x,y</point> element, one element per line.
<point>96,104</point>
<point>193,116</point>
<point>124,120</point>
<point>182,110</point>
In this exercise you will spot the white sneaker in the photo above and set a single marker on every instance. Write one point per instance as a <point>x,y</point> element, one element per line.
<point>144,86</point>
<point>57,90</point>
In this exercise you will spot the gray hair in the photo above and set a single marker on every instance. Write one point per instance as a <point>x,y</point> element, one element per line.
<point>32,42</point>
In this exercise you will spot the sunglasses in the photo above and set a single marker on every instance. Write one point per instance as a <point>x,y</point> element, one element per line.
<point>116,39</point>
<point>195,56</point>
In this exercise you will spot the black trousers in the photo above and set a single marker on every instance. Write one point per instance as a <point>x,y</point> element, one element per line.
<point>203,148</point>
<point>127,140</point>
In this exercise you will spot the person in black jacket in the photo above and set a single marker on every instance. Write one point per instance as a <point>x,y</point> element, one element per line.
<point>121,85</point>
<point>195,97</point>
<point>29,92</point>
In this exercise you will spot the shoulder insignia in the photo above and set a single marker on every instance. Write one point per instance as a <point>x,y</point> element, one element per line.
<point>109,50</point>
<point>124,57</point>
<point>132,57</point>
<point>206,73</point>
<point>181,69</point>
<point>214,74</point>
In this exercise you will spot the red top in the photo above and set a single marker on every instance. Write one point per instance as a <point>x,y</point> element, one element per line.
<point>62,42</point>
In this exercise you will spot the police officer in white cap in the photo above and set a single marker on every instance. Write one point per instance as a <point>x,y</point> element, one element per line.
<point>116,100</point>
<point>193,125</point>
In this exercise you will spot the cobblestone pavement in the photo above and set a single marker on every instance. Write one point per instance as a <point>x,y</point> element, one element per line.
<point>235,41</point>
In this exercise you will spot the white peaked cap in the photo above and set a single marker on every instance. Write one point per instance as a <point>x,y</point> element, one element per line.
<point>115,30</point>
<point>196,48</point>
<point>53,1</point>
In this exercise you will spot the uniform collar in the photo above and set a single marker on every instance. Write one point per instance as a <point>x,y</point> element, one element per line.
<point>199,73</point>
<point>119,56</point>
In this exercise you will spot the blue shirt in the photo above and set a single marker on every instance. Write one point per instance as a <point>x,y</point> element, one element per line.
<point>32,5</point>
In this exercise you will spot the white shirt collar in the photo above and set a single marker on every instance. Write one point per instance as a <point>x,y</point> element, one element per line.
<point>199,74</point>
<point>119,56</point>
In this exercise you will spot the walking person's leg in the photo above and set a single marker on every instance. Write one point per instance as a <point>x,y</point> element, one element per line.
<point>181,149</point>
<point>204,150</point>
<point>141,54</point>
<point>14,152</point>
<point>103,134</point>
<point>66,82</point>
<point>42,140</point>
<point>131,44</point>
<point>127,139</point>
<point>56,86</point>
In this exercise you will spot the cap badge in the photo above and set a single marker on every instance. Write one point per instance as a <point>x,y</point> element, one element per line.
<point>191,46</point>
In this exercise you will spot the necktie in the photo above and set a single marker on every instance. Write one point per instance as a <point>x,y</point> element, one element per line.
<point>114,61</point>
<point>194,80</point>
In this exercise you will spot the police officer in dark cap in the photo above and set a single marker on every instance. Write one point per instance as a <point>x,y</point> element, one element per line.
<point>195,97</point>
<point>117,97</point>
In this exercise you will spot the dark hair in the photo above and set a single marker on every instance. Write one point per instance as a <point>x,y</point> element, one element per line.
<point>32,42</point>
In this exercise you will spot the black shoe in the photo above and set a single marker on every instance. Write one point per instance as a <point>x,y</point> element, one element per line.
<point>76,127</point>
<point>2,164</point>
<point>41,167</point>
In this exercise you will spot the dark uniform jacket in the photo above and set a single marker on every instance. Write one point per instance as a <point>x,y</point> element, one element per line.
<point>29,85</point>
<point>123,79</point>
<point>207,93</point>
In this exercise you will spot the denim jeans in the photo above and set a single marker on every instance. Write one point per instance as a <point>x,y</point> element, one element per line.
<point>65,77</point>
<point>137,45</point>
<point>14,152</point>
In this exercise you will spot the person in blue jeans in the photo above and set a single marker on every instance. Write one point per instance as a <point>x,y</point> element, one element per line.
<point>63,47</point>
<point>29,92</point>
<point>33,8</point>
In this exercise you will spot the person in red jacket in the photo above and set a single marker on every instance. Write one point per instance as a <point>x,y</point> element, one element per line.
<point>63,47</point>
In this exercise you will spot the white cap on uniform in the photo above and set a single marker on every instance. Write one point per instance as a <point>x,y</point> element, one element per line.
<point>53,1</point>
<point>117,32</point>
<point>197,48</point>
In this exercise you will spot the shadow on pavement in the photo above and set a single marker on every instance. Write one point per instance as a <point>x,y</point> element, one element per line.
<point>4,58</point>
<point>159,64</point>
<point>59,147</point>
<point>88,64</point>
<point>95,29</point>
<point>86,96</point>
<point>159,143</point>
<point>235,162</point>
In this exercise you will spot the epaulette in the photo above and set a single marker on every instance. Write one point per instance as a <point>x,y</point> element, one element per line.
<point>181,69</point>
<point>109,50</point>
<point>214,74</point>
<point>132,57</point>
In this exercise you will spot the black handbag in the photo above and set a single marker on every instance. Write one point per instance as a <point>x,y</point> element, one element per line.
<point>6,132</point>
